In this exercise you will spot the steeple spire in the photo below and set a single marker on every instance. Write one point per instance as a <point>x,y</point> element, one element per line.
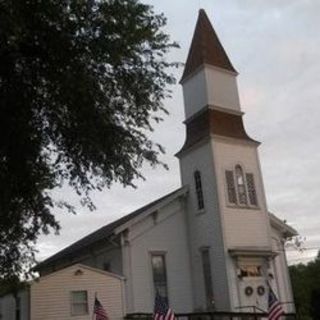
<point>206,48</point>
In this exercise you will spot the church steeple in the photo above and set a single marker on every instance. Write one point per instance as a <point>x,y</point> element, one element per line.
<point>210,91</point>
<point>209,78</point>
<point>206,48</point>
<point>227,216</point>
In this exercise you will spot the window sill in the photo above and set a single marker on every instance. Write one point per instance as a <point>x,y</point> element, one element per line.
<point>200,212</point>
<point>236,206</point>
<point>79,314</point>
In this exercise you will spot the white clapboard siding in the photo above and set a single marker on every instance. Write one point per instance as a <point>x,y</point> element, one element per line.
<point>51,295</point>
<point>205,227</point>
<point>242,226</point>
<point>166,233</point>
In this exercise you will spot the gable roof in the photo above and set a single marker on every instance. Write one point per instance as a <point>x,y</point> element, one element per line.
<point>206,48</point>
<point>108,230</point>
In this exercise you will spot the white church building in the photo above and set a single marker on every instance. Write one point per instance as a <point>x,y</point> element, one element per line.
<point>212,244</point>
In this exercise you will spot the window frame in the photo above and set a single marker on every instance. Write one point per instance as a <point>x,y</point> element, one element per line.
<point>198,187</point>
<point>227,171</point>
<point>18,308</point>
<point>239,169</point>
<point>252,191</point>
<point>165,284</point>
<point>208,285</point>
<point>238,205</point>
<point>73,302</point>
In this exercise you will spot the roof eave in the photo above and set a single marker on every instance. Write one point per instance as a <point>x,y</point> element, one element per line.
<point>282,226</point>
<point>135,220</point>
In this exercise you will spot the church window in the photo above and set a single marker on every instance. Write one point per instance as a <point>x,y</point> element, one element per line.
<point>240,187</point>
<point>199,191</point>
<point>242,195</point>
<point>18,308</point>
<point>251,189</point>
<point>79,303</point>
<point>159,275</point>
<point>206,267</point>
<point>232,196</point>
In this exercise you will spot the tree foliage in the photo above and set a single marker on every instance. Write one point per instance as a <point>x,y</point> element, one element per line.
<point>11,285</point>
<point>306,289</point>
<point>81,85</point>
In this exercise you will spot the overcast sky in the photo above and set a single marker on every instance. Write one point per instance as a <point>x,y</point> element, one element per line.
<point>275,46</point>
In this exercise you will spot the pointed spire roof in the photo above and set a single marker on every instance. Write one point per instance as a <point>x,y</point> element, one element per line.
<point>205,48</point>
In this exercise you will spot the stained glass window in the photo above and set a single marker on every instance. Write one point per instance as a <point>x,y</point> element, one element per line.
<point>206,267</point>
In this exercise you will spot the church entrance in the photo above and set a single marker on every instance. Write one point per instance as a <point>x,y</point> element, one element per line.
<point>253,293</point>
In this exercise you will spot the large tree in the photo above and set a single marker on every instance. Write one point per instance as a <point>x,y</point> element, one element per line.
<point>81,84</point>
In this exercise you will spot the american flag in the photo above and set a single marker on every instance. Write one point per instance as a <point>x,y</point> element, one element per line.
<point>162,310</point>
<point>99,311</point>
<point>275,310</point>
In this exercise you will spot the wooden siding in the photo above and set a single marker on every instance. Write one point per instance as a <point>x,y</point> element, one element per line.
<point>51,295</point>
<point>163,232</point>
<point>243,226</point>
<point>205,228</point>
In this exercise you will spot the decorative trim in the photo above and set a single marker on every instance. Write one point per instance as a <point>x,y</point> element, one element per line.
<point>209,122</point>
<point>252,252</point>
<point>229,140</point>
<point>211,66</point>
<point>226,110</point>
<point>208,66</point>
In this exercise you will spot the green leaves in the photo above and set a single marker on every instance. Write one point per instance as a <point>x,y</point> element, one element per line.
<point>81,85</point>
<point>306,289</point>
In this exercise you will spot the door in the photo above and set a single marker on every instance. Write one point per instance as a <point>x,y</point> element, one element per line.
<point>252,289</point>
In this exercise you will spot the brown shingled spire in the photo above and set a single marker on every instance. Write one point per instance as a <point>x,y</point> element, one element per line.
<point>205,48</point>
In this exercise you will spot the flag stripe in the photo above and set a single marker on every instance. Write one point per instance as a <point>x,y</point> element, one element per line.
<point>99,311</point>
<point>162,310</point>
<point>275,309</point>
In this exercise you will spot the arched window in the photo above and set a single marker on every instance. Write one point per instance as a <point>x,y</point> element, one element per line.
<point>242,195</point>
<point>198,187</point>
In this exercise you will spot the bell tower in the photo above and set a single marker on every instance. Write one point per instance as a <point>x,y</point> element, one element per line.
<point>227,215</point>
